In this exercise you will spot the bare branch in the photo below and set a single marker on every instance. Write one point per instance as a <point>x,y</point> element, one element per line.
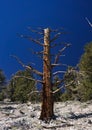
<point>56,30</point>
<point>19,61</point>
<point>59,82</point>
<point>56,36</point>
<point>29,78</point>
<point>27,67</point>
<point>40,28</point>
<point>40,38</point>
<point>35,31</point>
<point>34,92</point>
<point>54,45</point>
<point>37,53</point>
<point>54,65</point>
<point>60,52</point>
<point>58,72</point>
<point>31,39</point>
<point>58,44</point>
<point>58,89</point>
<point>62,87</point>
<point>88,21</point>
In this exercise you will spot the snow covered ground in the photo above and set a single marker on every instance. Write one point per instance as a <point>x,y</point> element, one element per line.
<point>70,115</point>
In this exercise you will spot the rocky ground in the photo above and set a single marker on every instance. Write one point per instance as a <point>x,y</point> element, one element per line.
<point>70,115</point>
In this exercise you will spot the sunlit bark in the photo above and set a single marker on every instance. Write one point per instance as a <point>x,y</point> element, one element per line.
<point>47,101</point>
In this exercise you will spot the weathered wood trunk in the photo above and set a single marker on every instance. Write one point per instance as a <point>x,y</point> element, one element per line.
<point>47,96</point>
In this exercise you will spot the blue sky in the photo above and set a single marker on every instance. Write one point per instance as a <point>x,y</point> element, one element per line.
<point>17,15</point>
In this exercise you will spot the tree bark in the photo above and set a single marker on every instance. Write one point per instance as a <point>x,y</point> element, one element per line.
<point>47,96</point>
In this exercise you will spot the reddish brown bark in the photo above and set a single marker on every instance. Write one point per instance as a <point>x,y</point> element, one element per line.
<point>47,97</point>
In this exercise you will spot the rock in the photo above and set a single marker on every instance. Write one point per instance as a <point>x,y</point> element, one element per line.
<point>29,103</point>
<point>33,114</point>
<point>7,100</point>
<point>89,121</point>
<point>21,112</point>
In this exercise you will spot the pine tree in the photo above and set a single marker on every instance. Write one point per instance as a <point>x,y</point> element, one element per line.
<point>2,84</point>
<point>20,88</point>
<point>2,77</point>
<point>71,92</point>
<point>85,66</point>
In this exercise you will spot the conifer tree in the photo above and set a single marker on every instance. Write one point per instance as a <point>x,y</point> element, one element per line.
<point>19,89</point>
<point>85,66</point>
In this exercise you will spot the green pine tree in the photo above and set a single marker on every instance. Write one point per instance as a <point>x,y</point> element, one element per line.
<point>71,91</point>
<point>20,88</point>
<point>2,84</point>
<point>85,66</point>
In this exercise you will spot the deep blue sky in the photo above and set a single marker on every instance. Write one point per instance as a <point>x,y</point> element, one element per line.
<point>17,15</point>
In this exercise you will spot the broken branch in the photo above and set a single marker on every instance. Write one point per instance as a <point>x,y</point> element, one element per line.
<point>62,87</point>
<point>27,67</point>
<point>56,36</point>
<point>53,65</point>
<point>35,31</point>
<point>17,76</point>
<point>34,92</point>
<point>33,52</point>
<point>58,72</point>
<point>88,21</point>
<point>60,52</point>
<point>31,39</point>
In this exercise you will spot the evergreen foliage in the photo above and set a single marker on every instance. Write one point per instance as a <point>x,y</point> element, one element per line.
<point>82,88</point>
<point>20,88</point>
<point>72,78</point>
<point>2,84</point>
<point>2,77</point>
<point>85,66</point>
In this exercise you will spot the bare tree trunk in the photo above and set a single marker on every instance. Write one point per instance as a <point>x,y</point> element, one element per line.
<point>47,96</point>
<point>47,112</point>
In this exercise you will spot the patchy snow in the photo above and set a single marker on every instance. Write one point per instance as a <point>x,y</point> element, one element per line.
<point>70,115</point>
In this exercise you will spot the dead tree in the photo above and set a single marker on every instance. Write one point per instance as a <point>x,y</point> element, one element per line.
<point>47,103</point>
<point>47,112</point>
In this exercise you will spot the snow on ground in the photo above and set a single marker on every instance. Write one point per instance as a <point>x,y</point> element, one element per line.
<point>70,115</point>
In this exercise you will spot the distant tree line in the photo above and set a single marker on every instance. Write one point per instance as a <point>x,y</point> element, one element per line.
<point>23,90</point>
